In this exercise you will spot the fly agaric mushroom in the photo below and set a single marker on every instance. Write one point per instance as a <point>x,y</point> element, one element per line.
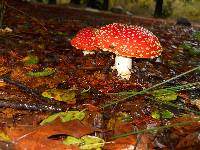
<point>127,41</point>
<point>85,40</point>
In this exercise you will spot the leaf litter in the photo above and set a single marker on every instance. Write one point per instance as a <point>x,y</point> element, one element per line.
<point>38,66</point>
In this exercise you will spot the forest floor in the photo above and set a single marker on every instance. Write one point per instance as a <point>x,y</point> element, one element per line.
<point>42,74</point>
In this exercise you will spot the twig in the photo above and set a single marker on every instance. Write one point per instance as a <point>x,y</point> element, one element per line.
<point>43,103</point>
<point>30,106</point>
<point>22,87</point>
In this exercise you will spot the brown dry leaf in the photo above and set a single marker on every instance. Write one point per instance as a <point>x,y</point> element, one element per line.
<point>189,141</point>
<point>91,107</point>
<point>185,136</point>
<point>9,112</point>
<point>40,143</point>
<point>185,96</point>
<point>37,138</point>
<point>4,70</point>
<point>2,83</point>
<point>24,138</point>
<point>74,128</point>
<point>15,54</point>
<point>186,129</point>
<point>120,128</point>
<point>127,142</point>
<point>19,74</point>
<point>144,142</point>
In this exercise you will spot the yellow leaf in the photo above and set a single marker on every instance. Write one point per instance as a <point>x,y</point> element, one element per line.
<point>2,83</point>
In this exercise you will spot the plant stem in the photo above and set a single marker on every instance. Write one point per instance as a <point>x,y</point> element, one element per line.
<point>186,109</point>
<point>173,78</point>
<point>156,128</point>
<point>133,93</point>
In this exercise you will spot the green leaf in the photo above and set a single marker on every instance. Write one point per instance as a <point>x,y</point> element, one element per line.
<point>164,95</point>
<point>167,114</point>
<point>72,115</point>
<point>164,114</point>
<point>197,36</point>
<point>30,59</point>
<point>86,142</point>
<point>65,116</point>
<point>191,50</point>
<point>85,90</point>
<point>92,142</point>
<point>4,137</point>
<point>61,94</point>
<point>155,115</point>
<point>51,118</point>
<point>72,140</point>
<point>46,72</point>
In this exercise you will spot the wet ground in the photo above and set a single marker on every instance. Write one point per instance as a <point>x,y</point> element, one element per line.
<point>45,32</point>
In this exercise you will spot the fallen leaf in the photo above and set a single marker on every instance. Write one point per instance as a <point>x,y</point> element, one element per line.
<point>64,116</point>
<point>32,138</point>
<point>86,142</point>
<point>70,140</point>
<point>4,137</point>
<point>120,124</point>
<point>197,35</point>
<point>46,72</point>
<point>127,142</point>
<point>2,83</point>
<point>74,128</point>
<point>91,142</point>
<point>25,137</point>
<point>165,95</point>
<point>188,141</point>
<point>140,142</point>
<point>186,129</point>
<point>91,108</point>
<point>193,51</point>
<point>65,95</point>
<point>30,59</point>
<point>164,114</point>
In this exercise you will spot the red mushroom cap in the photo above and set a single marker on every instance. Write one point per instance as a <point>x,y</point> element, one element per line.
<point>85,39</point>
<point>128,41</point>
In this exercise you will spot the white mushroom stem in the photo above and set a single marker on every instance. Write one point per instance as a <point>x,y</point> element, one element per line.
<point>88,52</point>
<point>123,66</point>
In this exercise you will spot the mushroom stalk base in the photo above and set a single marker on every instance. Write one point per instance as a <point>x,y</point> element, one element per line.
<point>123,66</point>
<point>88,52</point>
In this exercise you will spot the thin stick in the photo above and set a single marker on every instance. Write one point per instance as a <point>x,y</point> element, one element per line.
<point>33,106</point>
<point>44,104</point>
